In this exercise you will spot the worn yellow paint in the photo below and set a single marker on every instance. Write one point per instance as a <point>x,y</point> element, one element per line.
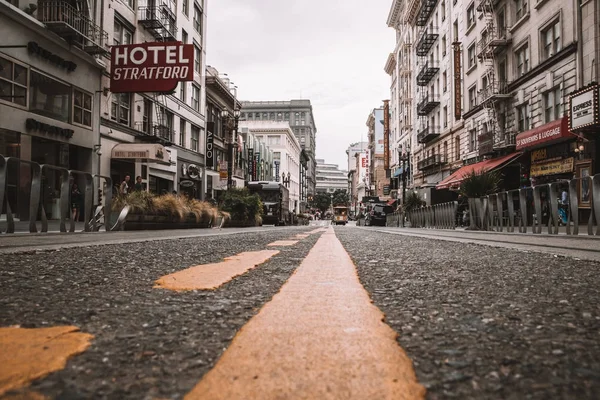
<point>25,395</point>
<point>211,276</point>
<point>29,354</point>
<point>283,243</point>
<point>301,236</point>
<point>320,337</point>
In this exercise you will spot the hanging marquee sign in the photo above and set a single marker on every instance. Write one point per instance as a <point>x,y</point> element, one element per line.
<point>251,163</point>
<point>150,67</point>
<point>386,134</point>
<point>457,82</point>
<point>276,170</point>
<point>584,108</point>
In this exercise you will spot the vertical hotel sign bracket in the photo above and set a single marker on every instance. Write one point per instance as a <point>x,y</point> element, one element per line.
<point>457,81</point>
<point>386,134</point>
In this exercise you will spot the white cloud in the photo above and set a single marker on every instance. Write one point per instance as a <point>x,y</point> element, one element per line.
<point>329,51</point>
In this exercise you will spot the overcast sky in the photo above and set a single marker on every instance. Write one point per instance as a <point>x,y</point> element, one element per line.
<point>329,51</point>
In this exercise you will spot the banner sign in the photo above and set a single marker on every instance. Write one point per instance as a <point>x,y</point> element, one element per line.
<point>210,153</point>
<point>150,67</point>
<point>251,164</point>
<point>457,82</point>
<point>555,130</point>
<point>256,166</point>
<point>276,171</point>
<point>386,134</point>
<point>552,168</point>
<point>223,170</point>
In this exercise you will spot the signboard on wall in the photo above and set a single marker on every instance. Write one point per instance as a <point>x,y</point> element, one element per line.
<point>552,167</point>
<point>251,165</point>
<point>378,113</point>
<point>584,109</point>
<point>457,82</point>
<point>276,170</point>
<point>210,153</point>
<point>150,67</point>
<point>386,134</point>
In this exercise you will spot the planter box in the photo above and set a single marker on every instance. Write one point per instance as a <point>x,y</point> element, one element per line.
<point>137,222</point>
<point>240,224</point>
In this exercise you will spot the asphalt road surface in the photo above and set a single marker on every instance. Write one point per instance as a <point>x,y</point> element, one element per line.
<point>477,322</point>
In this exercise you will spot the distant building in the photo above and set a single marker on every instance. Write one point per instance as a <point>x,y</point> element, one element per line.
<point>379,182</point>
<point>330,178</point>
<point>299,115</point>
<point>356,172</point>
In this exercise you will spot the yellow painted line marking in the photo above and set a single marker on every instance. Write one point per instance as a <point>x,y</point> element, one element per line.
<point>320,337</point>
<point>300,236</point>
<point>283,243</point>
<point>211,276</point>
<point>29,354</point>
<point>25,395</point>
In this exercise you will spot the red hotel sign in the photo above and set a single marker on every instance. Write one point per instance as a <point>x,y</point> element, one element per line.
<point>150,67</point>
<point>550,132</point>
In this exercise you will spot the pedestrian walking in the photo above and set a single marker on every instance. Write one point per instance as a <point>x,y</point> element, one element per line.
<point>75,202</point>
<point>138,187</point>
<point>124,188</point>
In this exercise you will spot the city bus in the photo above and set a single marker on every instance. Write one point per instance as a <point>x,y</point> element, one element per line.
<point>275,198</point>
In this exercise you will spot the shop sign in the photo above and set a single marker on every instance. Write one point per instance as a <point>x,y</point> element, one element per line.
<point>276,170</point>
<point>386,190</point>
<point>552,168</point>
<point>457,82</point>
<point>255,169</point>
<point>583,109</point>
<point>486,143</point>
<point>35,125</point>
<point>186,183</point>
<point>183,169</point>
<point>251,163</point>
<point>223,170</point>
<point>193,171</point>
<point>36,49</point>
<point>210,137</point>
<point>546,133</point>
<point>150,67</point>
<point>386,134</point>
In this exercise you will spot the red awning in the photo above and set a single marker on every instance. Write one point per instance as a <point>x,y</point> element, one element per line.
<point>456,178</point>
<point>555,131</point>
<point>391,202</point>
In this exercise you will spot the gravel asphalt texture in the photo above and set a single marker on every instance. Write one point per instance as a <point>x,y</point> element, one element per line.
<point>149,343</point>
<point>481,322</point>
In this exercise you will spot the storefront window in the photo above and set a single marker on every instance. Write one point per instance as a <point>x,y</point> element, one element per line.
<point>82,108</point>
<point>49,97</point>
<point>13,82</point>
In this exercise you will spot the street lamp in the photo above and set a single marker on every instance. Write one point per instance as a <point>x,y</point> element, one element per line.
<point>284,180</point>
<point>405,157</point>
<point>232,145</point>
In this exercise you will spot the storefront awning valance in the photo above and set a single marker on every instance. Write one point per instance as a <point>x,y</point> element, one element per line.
<point>397,172</point>
<point>454,180</point>
<point>551,132</point>
<point>149,152</point>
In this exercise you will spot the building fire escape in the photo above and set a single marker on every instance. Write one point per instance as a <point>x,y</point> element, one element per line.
<point>159,20</point>
<point>493,96</point>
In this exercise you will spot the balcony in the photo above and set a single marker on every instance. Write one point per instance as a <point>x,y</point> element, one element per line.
<point>431,161</point>
<point>500,40</point>
<point>427,72</point>
<point>505,141</point>
<point>161,134</point>
<point>427,7</point>
<point>428,133</point>
<point>159,21</point>
<point>428,104</point>
<point>427,40</point>
<point>494,91</point>
<point>486,143</point>
<point>73,25</point>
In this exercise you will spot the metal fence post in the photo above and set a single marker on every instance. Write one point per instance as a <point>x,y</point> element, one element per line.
<point>64,198</point>
<point>574,208</point>
<point>524,220</point>
<point>596,201</point>
<point>553,193</point>
<point>88,197</point>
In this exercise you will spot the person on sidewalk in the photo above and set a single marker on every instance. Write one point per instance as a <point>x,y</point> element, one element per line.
<point>138,187</point>
<point>75,202</point>
<point>124,188</point>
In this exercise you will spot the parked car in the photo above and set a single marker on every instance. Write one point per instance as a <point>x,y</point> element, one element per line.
<point>378,214</point>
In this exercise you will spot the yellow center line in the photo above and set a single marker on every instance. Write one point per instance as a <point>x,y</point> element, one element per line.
<point>29,354</point>
<point>283,243</point>
<point>320,337</point>
<point>211,276</point>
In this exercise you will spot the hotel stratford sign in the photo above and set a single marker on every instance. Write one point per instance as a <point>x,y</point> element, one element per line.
<point>150,67</point>
<point>584,109</point>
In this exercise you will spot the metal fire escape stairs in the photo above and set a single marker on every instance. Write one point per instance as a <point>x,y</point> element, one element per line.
<point>162,131</point>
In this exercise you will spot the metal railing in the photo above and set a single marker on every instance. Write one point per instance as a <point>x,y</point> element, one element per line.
<point>439,216</point>
<point>431,161</point>
<point>36,202</point>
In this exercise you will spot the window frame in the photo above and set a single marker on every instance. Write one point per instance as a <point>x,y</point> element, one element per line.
<point>182,131</point>
<point>69,117</point>
<point>471,12</point>
<point>472,101</point>
<point>523,119</point>
<point>555,106</point>
<point>12,84</point>
<point>524,47</point>
<point>197,59</point>
<point>471,61</point>
<point>197,19</point>
<point>82,108</point>
<point>196,100</point>
<point>195,140</point>
<point>123,29</point>
<point>555,46</point>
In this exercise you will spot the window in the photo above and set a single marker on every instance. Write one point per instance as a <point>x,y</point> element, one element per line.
<point>471,16</point>
<point>443,10</point>
<point>121,34</point>
<point>457,148</point>
<point>445,116</point>
<point>455,30</point>
<point>197,62</point>
<point>184,36</point>
<point>82,108</point>
<point>552,104</point>
<point>197,19</point>
<point>49,97</point>
<point>522,57</point>
<point>13,82</point>
<point>445,81</point>
<point>182,132</point>
<point>444,45</point>
<point>523,117</point>
<point>147,117</point>
<point>472,97</point>
<point>185,7</point>
<point>183,91</point>
<point>195,97</point>
<point>120,108</point>
<point>472,140</point>
<point>471,56</point>
<point>195,138</point>
<point>501,24</point>
<point>522,7</point>
<point>272,116</point>
<point>551,40</point>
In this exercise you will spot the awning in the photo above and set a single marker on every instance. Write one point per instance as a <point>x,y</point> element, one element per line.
<point>397,172</point>
<point>149,152</point>
<point>553,132</point>
<point>456,178</point>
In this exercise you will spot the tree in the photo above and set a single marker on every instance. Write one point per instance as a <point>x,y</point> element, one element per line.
<point>479,184</point>
<point>341,198</point>
<point>321,201</point>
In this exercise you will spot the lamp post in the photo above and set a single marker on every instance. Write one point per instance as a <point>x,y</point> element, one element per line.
<point>232,145</point>
<point>405,156</point>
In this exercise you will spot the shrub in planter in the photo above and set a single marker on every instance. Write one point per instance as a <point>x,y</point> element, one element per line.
<point>244,208</point>
<point>413,201</point>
